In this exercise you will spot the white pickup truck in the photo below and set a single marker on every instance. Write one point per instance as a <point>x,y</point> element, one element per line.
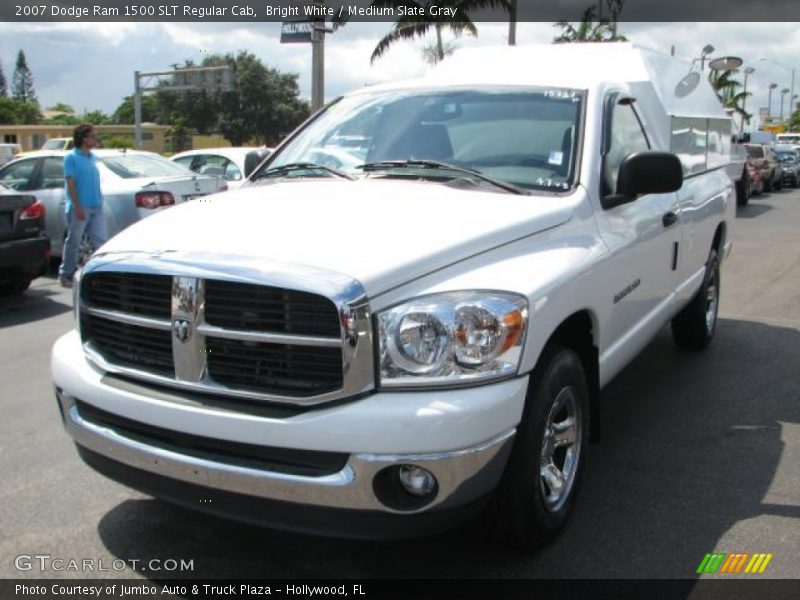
<point>407,314</point>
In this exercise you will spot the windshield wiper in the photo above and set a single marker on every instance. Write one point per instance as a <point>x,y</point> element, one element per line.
<point>282,170</point>
<point>436,165</point>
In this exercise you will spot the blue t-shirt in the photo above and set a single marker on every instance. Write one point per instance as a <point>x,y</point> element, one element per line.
<point>82,168</point>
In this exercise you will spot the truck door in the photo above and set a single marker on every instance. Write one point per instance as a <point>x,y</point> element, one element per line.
<point>643,237</point>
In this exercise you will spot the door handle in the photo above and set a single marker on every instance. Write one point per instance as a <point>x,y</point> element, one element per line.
<point>669,219</point>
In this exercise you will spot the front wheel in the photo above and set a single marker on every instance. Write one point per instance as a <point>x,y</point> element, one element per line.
<point>693,327</point>
<point>538,489</point>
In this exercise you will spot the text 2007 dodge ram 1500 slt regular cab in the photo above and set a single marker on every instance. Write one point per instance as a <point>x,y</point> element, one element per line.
<point>406,315</point>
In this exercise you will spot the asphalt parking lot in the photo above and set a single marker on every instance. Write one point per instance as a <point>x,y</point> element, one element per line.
<point>700,453</point>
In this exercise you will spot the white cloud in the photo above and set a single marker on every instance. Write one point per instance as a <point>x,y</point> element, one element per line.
<point>91,65</point>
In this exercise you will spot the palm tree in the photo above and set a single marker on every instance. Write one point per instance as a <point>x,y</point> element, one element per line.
<point>588,30</point>
<point>410,27</point>
<point>727,88</point>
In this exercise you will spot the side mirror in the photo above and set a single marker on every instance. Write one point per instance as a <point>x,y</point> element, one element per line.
<point>645,173</point>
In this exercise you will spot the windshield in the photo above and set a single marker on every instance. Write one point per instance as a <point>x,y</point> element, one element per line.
<point>755,152</point>
<point>129,166</point>
<point>526,137</point>
<point>55,144</point>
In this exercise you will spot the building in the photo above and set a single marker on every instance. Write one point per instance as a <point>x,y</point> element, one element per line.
<point>31,137</point>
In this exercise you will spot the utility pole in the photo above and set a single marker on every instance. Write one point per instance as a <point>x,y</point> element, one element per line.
<point>318,65</point>
<point>512,23</point>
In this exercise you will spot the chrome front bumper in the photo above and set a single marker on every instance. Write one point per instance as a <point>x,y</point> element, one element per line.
<point>463,475</point>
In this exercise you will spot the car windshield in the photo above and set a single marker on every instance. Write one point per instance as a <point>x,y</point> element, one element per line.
<point>525,137</point>
<point>54,144</point>
<point>130,166</point>
<point>755,152</point>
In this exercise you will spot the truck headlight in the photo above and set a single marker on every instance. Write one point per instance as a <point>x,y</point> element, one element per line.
<point>452,339</point>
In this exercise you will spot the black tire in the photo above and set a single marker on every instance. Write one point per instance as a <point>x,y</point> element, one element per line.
<point>524,511</point>
<point>778,185</point>
<point>16,286</point>
<point>743,189</point>
<point>768,184</point>
<point>693,328</point>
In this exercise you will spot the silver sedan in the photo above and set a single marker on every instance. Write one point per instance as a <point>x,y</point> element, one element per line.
<point>135,185</point>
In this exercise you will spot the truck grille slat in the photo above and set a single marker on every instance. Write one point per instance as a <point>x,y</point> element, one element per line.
<point>285,369</point>
<point>128,345</point>
<point>263,308</point>
<point>147,295</point>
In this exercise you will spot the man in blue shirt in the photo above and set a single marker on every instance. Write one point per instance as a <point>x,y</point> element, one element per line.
<point>84,203</point>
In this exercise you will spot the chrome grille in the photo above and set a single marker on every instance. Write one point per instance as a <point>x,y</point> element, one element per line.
<point>253,341</point>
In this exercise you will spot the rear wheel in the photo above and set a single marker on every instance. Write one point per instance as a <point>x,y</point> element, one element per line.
<point>15,286</point>
<point>743,189</point>
<point>693,328</point>
<point>538,490</point>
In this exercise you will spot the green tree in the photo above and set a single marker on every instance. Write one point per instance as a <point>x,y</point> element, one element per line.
<point>66,114</point>
<point>264,104</point>
<point>3,84</point>
<point>22,81</point>
<point>727,89</point>
<point>410,27</point>
<point>588,30</point>
<point>95,117</point>
<point>16,112</point>
<point>123,115</point>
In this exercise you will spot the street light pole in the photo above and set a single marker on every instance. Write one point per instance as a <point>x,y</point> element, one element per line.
<point>784,91</point>
<point>772,86</point>
<point>791,86</point>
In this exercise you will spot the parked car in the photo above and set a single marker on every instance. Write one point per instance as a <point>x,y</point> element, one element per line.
<point>792,138</point>
<point>8,152</point>
<point>754,178</point>
<point>788,157</point>
<point>233,165</point>
<point>764,160</point>
<point>388,348</point>
<point>135,184</point>
<point>24,247</point>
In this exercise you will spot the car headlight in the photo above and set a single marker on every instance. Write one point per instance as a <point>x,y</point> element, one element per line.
<point>452,339</point>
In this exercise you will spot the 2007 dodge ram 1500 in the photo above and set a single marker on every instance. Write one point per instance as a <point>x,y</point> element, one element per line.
<point>407,313</point>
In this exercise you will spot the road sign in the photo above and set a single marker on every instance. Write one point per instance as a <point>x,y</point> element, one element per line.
<point>297,32</point>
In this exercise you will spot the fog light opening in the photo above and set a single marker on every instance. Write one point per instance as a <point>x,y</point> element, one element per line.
<point>416,480</point>
<point>405,487</point>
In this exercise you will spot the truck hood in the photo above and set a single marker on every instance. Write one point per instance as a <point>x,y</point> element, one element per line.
<point>381,232</point>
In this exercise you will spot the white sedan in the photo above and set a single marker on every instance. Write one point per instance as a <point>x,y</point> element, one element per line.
<point>135,184</point>
<point>232,165</point>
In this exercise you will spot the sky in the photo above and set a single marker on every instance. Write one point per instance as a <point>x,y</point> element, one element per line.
<point>90,65</point>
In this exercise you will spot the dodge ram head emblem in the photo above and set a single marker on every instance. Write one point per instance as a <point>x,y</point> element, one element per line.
<point>181,329</point>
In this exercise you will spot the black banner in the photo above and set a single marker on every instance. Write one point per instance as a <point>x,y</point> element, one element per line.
<point>464,589</point>
<point>363,10</point>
